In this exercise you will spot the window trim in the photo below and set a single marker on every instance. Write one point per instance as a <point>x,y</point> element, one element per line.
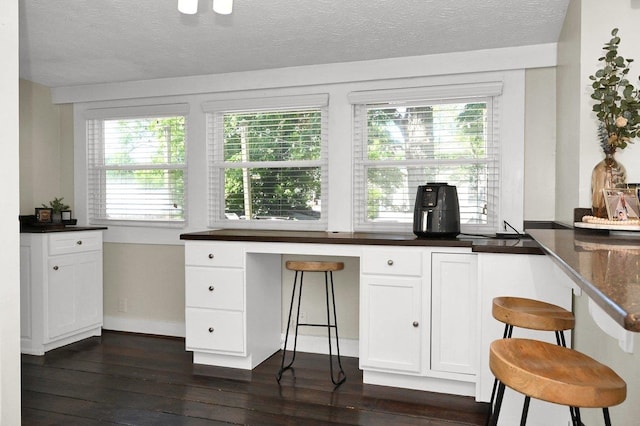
<point>215,111</point>
<point>99,115</point>
<point>490,92</point>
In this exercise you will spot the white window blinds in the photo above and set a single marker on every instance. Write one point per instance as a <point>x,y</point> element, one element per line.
<point>136,168</point>
<point>268,165</point>
<point>405,142</point>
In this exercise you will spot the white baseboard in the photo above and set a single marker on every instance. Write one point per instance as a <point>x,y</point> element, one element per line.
<point>137,325</point>
<point>320,345</point>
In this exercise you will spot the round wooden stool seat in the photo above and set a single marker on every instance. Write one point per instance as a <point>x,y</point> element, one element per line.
<point>532,314</point>
<point>555,374</point>
<point>304,266</point>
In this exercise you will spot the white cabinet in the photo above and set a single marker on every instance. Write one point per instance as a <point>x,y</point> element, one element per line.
<point>60,288</point>
<point>418,318</point>
<point>220,328</point>
<point>391,309</point>
<point>454,314</point>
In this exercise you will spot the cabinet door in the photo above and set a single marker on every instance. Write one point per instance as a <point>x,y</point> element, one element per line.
<point>454,319</point>
<point>74,293</point>
<point>390,329</point>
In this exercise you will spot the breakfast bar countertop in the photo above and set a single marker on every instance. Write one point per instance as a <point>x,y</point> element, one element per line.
<point>604,265</point>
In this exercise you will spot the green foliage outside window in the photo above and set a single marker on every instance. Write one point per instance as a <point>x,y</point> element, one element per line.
<point>278,190</point>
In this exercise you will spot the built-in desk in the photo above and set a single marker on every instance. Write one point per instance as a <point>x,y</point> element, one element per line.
<point>424,304</point>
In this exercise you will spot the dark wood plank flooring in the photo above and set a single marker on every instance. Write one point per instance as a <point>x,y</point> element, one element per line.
<point>131,379</point>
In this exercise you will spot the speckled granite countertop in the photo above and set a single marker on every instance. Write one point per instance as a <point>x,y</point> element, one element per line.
<point>477,244</point>
<point>606,266</point>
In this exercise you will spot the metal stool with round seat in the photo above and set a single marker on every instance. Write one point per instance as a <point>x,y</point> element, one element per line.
<point>533,315</point>
<point>554,374</point>
<point>300,267</point>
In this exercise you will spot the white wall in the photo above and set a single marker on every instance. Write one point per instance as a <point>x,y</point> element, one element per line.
<point>9,261</point>
<point>540,144</point>
<point>46,148</point>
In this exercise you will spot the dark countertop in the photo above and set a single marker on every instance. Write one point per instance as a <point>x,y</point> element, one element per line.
<point>47,229</point>
<point>605,266</point>
<point>477,244</point>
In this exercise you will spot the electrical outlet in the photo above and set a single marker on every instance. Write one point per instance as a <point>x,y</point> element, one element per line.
<point>123,305</point>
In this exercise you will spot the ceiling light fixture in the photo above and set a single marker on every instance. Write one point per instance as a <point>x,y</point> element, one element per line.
<point>223,7</point>
<point>188,7</point>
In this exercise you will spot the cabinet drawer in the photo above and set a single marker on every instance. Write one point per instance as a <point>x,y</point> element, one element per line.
<point>74,242</point>
<point>392,262</point>
<point>214,288</point>
<point>214,330</point>
<point>212,254</point>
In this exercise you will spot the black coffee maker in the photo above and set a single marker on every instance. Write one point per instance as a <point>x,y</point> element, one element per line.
<point>437,212</point>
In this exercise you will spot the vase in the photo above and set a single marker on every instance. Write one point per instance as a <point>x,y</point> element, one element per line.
<point>608,173</point>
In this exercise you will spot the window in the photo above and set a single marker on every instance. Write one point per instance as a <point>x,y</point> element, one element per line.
<point>137,169</point>
<point>407,141</point>
<point>269,164</point>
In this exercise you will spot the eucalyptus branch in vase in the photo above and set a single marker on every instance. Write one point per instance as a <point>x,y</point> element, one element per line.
<point>617,100</point>
<point>617,107</point>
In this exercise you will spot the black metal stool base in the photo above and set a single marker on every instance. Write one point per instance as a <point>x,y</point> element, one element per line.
<point>341,376</point>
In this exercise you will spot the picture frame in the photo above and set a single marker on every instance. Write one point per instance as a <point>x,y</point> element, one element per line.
<point>622,203</point>
<point>44,215</point>
<point>65,215</point>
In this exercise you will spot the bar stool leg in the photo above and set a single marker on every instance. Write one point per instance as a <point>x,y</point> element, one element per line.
<point>337,381</point>
<point>525,411</point>
<point>286,337</point>
<point>508,331</point>
<point>496,410</point>
<point>607,419</point>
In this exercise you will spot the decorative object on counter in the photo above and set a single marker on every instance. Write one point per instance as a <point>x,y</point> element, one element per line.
<point>65,215</point>
<point>44,215</point>
<point>622,204</point>
<point>57,207</point>
<point>592,222</point>
<point>608,173</point>
<point>618,110</point>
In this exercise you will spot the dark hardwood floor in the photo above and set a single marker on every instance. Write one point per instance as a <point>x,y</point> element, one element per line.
<point>131,379</point>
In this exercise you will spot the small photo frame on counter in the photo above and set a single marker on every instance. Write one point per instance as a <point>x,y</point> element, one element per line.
<point>622,203</point>
<point>44,215</point>
<point>65,215</point>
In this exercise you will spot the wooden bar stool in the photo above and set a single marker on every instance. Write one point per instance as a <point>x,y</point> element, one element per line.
<point>555,374</point>
<point>533,315</point>
<point>300,267</point>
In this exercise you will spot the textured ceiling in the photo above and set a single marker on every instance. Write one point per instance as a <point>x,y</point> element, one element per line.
<point>67,43</point>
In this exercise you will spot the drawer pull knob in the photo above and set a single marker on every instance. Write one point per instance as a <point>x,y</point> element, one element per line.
<point>210,255</point>
<point>79,242</point>
<point>55,268</point>
<point>210,329</point>
<point>211,288</point>
<point>416,323</point>
<point>390,262</point>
